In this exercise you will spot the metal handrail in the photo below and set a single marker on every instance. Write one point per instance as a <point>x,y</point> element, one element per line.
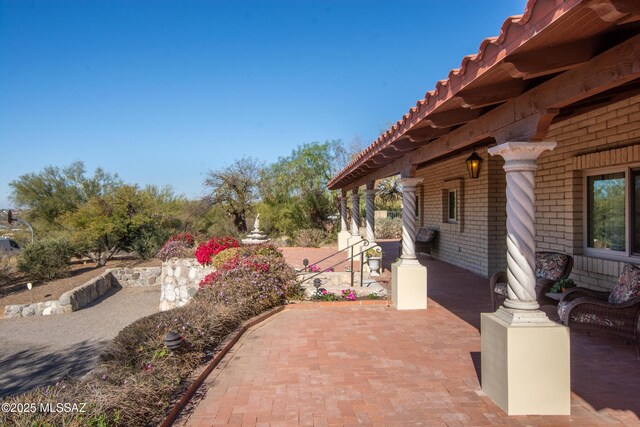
<point>360,254</point>
<point>336,253</point>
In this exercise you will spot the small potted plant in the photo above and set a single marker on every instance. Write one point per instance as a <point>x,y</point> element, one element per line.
<point>562,285</point>
<point>374,258</point>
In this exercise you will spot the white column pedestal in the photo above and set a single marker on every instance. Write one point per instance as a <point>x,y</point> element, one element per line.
<point>359,245</point>
<point>343,239</point>
<point>525,362</point>
<point>409,286</point>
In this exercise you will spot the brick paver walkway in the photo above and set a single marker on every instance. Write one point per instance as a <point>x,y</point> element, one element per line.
<point>367,365</point>
<point>378,366</point>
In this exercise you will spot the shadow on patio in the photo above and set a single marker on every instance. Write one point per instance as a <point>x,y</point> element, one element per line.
<point>603,369</point>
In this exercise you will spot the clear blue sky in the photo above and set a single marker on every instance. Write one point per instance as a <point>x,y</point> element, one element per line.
<point>163,91</point>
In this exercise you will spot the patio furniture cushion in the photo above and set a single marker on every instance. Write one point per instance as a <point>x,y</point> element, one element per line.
<point>592,318</point>
<point>563,310</point>
<point>425,234</point>
<point>628,286</point>
<point>501,289</point>
<point>551,265</point>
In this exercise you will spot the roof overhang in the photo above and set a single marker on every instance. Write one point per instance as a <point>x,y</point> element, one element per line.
<point>559,57</point>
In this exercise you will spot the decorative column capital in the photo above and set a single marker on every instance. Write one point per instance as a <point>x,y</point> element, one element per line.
<point>521,156</point>
<point>370,193</point>
<point>410,184</point>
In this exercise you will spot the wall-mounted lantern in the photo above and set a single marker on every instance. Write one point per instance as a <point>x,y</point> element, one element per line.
<point>473,164</point>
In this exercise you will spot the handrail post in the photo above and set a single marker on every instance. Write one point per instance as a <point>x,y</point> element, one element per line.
<point>361,267</point>
<point>352,272</point>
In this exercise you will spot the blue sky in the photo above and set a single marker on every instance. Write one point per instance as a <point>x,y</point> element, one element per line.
<point>163,91</point>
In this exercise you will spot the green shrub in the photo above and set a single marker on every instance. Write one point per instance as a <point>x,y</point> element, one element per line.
<point>146,242</point>
<point>388,228</point>
<point>310,238</point>
<point>261,250</point>
<point>46,259</point>
<point>224,257</point>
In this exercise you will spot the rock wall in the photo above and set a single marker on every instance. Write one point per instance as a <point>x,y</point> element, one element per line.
<point>137,277</point>
<point>180,281</point>
<point>81,296</point>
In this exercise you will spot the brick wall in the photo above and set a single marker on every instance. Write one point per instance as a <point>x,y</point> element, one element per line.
<point>604,137</point>
<point>467,243</point>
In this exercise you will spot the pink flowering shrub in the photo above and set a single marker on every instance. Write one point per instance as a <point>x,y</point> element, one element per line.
<point>257,281</point>
<point>206,251</point>
<point>315,269</point>
<point>349,294</point>
<point>177,246</point>
<point>183,237</point>
<point>324,295</point>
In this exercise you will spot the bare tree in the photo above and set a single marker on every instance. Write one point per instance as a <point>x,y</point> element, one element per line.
<point>235,189</point>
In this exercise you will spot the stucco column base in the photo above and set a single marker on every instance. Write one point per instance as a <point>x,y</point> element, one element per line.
<point>409,286</point>
<point>343,239</point>
<point>359,246</point>
<point>525,364</point>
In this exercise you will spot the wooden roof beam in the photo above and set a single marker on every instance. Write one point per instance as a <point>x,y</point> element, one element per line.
<point>425,134</point>
<point>451,118</point>
<point>492,94</point>
<point>553,59</point>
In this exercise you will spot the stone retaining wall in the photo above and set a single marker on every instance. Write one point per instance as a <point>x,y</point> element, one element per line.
<point>81,296</point>
<point>137,277</point>
<point>180,281</point>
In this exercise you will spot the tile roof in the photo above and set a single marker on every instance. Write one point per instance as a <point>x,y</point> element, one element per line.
<point>515,31</point>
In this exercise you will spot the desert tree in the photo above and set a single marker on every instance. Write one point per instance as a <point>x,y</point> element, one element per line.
<point>234,189</point>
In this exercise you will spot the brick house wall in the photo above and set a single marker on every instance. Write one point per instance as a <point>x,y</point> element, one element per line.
<point>476,241</point>
<point>608,136</point>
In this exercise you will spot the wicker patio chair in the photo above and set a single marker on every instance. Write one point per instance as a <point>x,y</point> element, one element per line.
<point>615,313</point>
<point>425,237</point>
<point>550,267</point>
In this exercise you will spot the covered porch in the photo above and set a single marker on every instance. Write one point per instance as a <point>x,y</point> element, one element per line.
<point>347,365</point>
<point>531,145</point>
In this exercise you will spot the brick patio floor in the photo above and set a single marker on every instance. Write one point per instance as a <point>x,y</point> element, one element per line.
<point>374,365</point>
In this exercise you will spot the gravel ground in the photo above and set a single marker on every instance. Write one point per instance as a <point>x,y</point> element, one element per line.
<point>44,349</point>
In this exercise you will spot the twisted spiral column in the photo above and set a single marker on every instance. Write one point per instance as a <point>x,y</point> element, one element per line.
<point>520,164</point>
<point>370,195</point>
<point>343,214</point>
<point>409,219</point>
<point>355,213</point>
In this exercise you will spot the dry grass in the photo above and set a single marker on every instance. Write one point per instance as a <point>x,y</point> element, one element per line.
<point>8,269</point>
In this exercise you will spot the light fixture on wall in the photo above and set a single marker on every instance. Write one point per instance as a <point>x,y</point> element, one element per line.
<point>473,164</point>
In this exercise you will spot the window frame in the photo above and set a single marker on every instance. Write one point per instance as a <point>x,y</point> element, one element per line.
<point>627,255</point>
<point>455,218</point>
